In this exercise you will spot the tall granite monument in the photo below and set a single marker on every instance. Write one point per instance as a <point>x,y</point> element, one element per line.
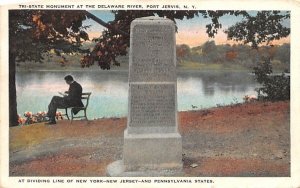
<point>152,144</point>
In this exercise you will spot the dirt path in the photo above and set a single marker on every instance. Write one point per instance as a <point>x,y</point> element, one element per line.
<point>241,140</point>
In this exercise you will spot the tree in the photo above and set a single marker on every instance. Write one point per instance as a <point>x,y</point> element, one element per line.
<point>182,51</point>
<point>33,32</point>
<point>283,53</point>
<point>264,27</point>
<point>231,55</point>
<point>273,87</point>
<point>210,52</point>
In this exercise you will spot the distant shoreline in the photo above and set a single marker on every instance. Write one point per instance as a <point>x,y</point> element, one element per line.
<point>95,68</point>
<point>127,70</point>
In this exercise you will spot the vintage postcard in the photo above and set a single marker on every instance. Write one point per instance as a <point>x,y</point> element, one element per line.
<point>141,93</point>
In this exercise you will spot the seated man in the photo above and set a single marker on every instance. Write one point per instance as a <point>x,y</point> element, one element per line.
<point>72,99</point>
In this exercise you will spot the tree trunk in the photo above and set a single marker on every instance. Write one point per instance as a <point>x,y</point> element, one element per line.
<point>13,115</point>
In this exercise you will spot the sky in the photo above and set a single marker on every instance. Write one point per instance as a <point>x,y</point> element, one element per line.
<point>191,32</point>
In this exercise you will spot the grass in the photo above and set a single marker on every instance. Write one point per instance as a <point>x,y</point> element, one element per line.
<point>24,138</point>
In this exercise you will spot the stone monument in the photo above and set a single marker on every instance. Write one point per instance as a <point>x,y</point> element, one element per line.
<point>152,143</point>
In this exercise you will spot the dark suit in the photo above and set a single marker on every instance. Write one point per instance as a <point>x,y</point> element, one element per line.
<point>73,99</point>
<point>74,95</point>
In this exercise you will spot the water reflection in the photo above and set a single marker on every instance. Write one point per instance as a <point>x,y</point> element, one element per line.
<point>110,90</point>
<point>224,81</point>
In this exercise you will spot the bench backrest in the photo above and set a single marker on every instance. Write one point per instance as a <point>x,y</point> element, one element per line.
<point>86,96</point>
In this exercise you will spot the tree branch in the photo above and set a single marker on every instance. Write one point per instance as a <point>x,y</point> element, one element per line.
<point>101,22</point>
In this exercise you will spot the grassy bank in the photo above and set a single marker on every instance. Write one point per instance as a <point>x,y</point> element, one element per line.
<point>28,135</point>
<point>251,139</point>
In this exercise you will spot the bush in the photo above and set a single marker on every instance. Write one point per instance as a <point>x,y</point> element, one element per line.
<point>273,87</point>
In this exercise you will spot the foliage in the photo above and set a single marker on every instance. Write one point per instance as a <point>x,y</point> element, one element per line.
<point>113,43</point>
<point>182,51</point>
<point>263,27</point>
<point>209,51</point>
<point>231,55</point>
<point>283,54</point>
<point>42,30</point>
<point>237,54</point>
<point>273,87</point>
<point>34,32</point>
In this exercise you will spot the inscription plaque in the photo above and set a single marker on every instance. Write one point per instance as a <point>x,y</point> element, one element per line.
<point>152,105</point>
<point>152,54</point>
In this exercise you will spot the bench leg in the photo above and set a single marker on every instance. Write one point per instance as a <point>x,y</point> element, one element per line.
<point>85,114</point>
<point>72,117</point>
<point>67,114</point>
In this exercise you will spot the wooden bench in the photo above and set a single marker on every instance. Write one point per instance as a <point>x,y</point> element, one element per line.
<point>85,97</point>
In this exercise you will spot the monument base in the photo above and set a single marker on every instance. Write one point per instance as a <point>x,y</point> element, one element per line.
<point>117,169</point>
<point>149,155</point>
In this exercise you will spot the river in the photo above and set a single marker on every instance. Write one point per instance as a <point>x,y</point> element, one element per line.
<point>195,90</point>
